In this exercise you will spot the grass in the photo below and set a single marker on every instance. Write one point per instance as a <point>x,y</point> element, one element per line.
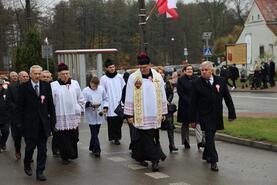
<point>256,129</point>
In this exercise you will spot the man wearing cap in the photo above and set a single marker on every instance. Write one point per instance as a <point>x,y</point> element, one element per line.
<point>69,103</point>
<point>36,113</point>
<point>113,84</point>
<point>13,97</point>
<point>146,107</point>
<point>208,92</point>
<point>4,116</point>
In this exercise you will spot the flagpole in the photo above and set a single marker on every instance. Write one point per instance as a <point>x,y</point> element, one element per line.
<point>142,24</point>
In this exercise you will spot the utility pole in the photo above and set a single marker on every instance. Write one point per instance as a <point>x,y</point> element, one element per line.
<point>28,14</point>
<point>142,24</point>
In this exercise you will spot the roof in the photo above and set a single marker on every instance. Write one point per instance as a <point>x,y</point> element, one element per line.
<point>268,9</point>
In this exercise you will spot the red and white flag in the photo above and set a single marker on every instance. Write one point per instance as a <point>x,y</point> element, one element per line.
<point>168,7</point>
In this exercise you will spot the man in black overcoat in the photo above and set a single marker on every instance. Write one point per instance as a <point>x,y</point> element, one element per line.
<point>37,115</point>
<point>207,94</point>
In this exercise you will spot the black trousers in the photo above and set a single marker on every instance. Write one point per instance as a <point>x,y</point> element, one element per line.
<point>4,133</point>
<point>114,127</point>
<point>210,152</point>
<point>94,144</point>
<point>55,145</point>
<point>17,137</point>
<point>31,144</point>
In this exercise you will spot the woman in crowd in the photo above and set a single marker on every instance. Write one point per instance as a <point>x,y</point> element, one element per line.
<point>184,89</point>
<point>169,117</point>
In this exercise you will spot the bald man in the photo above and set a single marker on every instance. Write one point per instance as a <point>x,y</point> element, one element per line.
<point>46,76</point>
<point>208,92</point>
<point>13,76</point>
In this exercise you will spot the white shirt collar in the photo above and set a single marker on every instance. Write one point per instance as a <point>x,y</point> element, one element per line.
<point>211,79</point>
<point>33,83</point>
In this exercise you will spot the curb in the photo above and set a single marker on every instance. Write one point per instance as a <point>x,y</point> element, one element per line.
<point>252,91</point>
<point>236,140</point>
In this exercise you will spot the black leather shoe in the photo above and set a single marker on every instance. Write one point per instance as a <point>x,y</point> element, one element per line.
<point>116,142</point>
<point>172,149</point>
<point>155,166</point>
<point>187,146</point>
<point>163,157</point>
<point>28,170</point>
<point>214,167</point>
<point>143,163</point>
<point>41,177</point>
<point>65,162</point>
<point>200,145</point>
<point>96,154</point>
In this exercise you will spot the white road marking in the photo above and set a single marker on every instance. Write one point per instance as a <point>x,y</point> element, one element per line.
<point>157,175</point>
<point>179,183</point>
<point>117,159</point>
<point>135,166</point>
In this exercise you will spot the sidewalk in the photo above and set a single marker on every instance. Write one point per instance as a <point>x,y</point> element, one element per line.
<point>248,89</point>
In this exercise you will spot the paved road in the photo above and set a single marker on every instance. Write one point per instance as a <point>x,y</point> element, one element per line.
<point>238,165</point>
<point>246,102</point>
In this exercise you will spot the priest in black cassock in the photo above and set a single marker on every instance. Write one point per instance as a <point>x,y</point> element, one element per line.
<point>145,107</point>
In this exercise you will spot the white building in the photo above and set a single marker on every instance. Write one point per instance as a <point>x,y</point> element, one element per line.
<point>260,31</point>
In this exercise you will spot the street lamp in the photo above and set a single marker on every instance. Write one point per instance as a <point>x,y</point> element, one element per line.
<point>172,49</point>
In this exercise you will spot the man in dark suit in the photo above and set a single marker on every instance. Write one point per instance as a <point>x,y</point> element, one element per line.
<point>37,116</point>
<point>207,94</point>
<point>12,96</point>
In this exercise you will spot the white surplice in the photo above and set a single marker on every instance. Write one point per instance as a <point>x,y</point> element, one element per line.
<point>69,103</point>
<point>149,101</point>
<point>97,96</point>
<point>113,87</point>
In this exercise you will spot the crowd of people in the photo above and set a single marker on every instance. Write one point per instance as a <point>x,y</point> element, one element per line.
<point>34,107</point>
<point>260,76</point>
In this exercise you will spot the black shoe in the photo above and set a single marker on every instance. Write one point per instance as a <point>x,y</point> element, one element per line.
<point>172,149</point>
<point>3,147</point>
<point>163,157</point>
<point>143,163</point>
<point>207,159</point>
<point>97,154</point>
<point>41,177</point>
<point>214,167</point>
<point>65,162</point>
<point>28,170</point>
<point>155,166</point>
<point>116,142</point>
<point>200,145</point>
<point>187,146</point>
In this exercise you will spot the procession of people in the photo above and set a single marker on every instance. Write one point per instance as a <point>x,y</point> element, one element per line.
<point>35,107</point>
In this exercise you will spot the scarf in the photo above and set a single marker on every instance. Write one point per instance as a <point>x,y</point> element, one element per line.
<point>138,102</point>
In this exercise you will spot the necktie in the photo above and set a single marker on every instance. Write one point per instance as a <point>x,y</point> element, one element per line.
<point>36,89</point>
<point>209,82</point>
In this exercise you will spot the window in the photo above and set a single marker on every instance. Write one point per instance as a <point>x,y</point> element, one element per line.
<point>258,16</point>
<point>261,51</point>
<point>252,17</point>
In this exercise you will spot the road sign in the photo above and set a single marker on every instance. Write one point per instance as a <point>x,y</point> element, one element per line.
<point>186,52</point>
<point>207,52</point>
<point>206,35</point>
<point>46,51</point>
